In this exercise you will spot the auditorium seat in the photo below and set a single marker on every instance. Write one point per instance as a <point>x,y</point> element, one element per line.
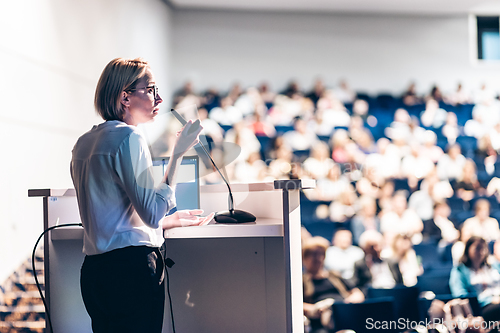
<point>361,317</point>
<point>325,229</point>
<point>428,253</point>
<point>301,155</point>
<point>280,129</point>
<point>468,144</point>
<point>405,300</point>
<point>438,283</point>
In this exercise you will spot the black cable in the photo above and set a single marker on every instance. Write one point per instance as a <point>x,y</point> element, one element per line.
<point>34,270</point>
<point>169,263</point>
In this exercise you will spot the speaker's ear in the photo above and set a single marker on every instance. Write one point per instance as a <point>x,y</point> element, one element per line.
<point>124,99</point>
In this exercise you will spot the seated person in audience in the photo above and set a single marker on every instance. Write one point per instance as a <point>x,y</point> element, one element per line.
<point>494,135</point>
<point>317,91</point>
<point>468,186</point>
<point>433,115</point>
<point>344,93</point>
<point>301,138</point>
<point>450,129</point>
<point>211,128</point>
<point>373,270</point>
<point>356,127</point>
<point>361,136</point>
<point>343,208</point>
<point>387,161</point>
<point>417,133</point>
<point>254,169</point>
<point>329,188</point>
<point>186,90</point>
<point>474,275</point>
<point>451,165</point>
<point>431,190</point>
<point>365,219</point>
<point>416,165</point>
<point>436,94</point>
<point>493,188</point>
<point>266,94</point>
<point>210,99</point>
<point>319,284</point>
<point>291,89</point>
<point>476,126</point>
<point>400,125</point>
<point>344,150</point>
<point>369,184</point>
<point>401,220</point>
<point>281,167</point>
<point>226,114</point>
<point>333,111</point>
<point>422,201</point>
<point>339,142</point>
<point>272,150</point>
<point>235,91</point>
<point>319,163</point>
<point>482,225</point>
<point>440,228</point>
<point>342,255</point>
<point>457,250</point>
<point>319,124</point>
<point>243,136</point>
<point>261,127</point>
<point>459,96</point>
<point>496,252</point>
<point>402,251</point>
<point>429,148</point>
<point>410,96</point>
<point>360,108</point>
<point>384,199</point>
<point>250,102</point>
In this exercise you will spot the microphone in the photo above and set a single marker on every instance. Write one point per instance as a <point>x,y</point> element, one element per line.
<point>232,215</point>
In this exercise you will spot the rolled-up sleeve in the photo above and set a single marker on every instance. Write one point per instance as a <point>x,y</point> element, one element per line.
<point>134,169</point>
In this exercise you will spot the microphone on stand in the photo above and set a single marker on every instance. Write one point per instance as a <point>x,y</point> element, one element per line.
<point>232,215</point>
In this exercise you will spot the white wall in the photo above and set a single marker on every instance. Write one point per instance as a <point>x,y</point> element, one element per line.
<point>51,55</point>
<point>374,52</point>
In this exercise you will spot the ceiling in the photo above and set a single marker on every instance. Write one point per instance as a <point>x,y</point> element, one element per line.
<point>426,7</point>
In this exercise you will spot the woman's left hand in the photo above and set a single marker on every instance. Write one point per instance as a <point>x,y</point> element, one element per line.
<point>186,218</point>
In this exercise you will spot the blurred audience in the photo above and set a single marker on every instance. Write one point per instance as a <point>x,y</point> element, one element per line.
<point>321,287</point>
<point>373,270</point>
<point>343,254</point>
<point>482,225</point>
<point>474,275</point>
<point>380,173</point>
<point>402,252</point>
<point>365,219</point>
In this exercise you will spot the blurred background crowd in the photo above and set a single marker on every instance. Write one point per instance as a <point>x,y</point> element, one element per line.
<point>402,182</point>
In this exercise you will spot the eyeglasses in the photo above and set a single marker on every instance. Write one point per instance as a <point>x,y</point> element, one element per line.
<point>154,90</point>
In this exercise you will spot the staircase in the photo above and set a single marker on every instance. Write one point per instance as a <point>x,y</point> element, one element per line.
<point>21,308</point>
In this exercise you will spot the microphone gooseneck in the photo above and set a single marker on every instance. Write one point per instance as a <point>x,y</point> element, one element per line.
<point>232,215</point>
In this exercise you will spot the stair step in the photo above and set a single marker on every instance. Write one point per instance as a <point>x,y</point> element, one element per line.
<point>24,324</point>
<point>22,294</point>
<point>22,313</point>
<point>22,301</point>
<point>22,308</point>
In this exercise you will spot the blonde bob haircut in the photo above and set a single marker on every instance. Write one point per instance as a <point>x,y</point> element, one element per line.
<point>118,76</point>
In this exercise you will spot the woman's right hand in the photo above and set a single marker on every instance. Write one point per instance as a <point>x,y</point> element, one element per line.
<point>187,138</point>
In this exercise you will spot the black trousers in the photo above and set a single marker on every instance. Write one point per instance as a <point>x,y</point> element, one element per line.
<point>123,290</point>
